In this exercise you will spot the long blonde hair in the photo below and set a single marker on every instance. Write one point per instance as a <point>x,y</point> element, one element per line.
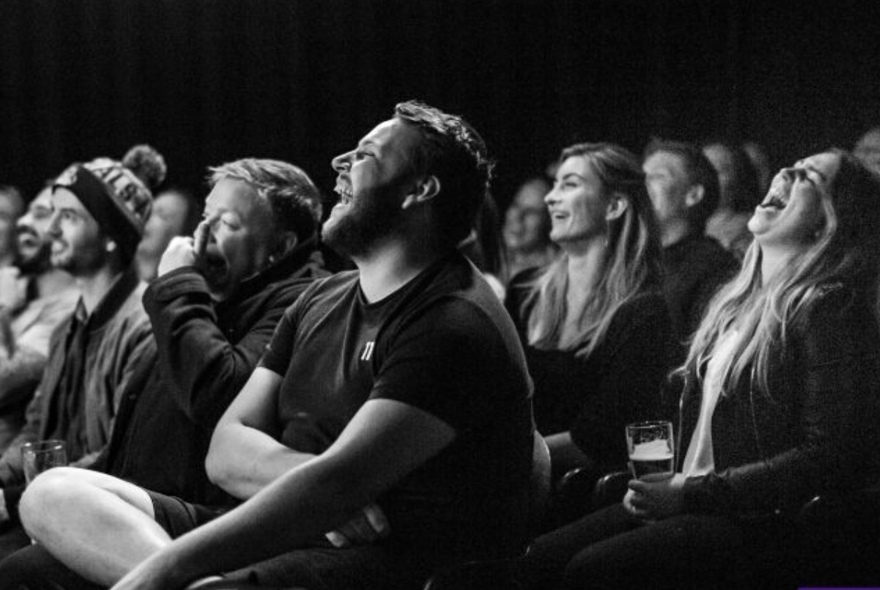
<point>631,264</point>
<point>846,251</point>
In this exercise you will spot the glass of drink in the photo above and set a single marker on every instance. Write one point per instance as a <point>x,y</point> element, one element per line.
<point>651,450</point>
<point>37,457</point>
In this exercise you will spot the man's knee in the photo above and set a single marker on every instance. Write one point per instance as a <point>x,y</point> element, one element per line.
<point>45,493</point>
<point>68,489</point>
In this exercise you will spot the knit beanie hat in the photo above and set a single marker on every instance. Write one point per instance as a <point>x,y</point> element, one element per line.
<point>118,194</point>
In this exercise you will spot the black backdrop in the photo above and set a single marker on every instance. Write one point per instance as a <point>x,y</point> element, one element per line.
<point>210,81</point>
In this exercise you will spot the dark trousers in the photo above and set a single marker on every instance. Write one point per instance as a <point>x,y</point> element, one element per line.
<point>358,568</point>
<point>33,568</point>
<point>609,549</point>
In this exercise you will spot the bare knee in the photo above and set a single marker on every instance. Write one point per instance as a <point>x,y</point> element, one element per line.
<point>49,492</point>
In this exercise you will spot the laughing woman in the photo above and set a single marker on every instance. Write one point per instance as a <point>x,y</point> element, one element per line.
<point>780,404</point>
<point>595,328</point>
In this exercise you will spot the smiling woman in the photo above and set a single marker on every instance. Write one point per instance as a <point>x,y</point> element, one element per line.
<point>593,324</point>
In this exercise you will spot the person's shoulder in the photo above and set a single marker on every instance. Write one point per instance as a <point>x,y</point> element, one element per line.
<point>708,250</point>
<point>326,288</point>
<point>456,296</point>
<point>288,290</point>
<point>837,308</point>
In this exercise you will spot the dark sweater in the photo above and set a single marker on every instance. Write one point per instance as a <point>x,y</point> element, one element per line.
<point>694,268</point>
<point>620,382</point>
<point>206,353</point>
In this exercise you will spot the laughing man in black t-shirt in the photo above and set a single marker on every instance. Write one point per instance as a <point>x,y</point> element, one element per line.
<point>390,412</point>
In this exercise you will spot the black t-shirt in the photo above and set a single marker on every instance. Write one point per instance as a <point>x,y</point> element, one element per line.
<point>444,344</point>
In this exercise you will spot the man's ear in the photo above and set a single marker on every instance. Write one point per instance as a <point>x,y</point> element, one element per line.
<point>424,189</point>
<point>617,206</point>
<point>694,196</point>
<point>286,243</point>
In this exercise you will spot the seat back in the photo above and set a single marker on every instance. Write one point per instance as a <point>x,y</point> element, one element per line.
<point>539,485</point>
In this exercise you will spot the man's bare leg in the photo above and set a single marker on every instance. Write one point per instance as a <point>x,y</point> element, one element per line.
<point>99,526</point>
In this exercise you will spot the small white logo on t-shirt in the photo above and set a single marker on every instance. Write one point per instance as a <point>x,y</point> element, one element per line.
<point>368,351</point>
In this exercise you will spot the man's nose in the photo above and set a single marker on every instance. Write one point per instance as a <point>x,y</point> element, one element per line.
<point>341,162</point>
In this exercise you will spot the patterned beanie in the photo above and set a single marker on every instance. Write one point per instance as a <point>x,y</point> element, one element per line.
<point>118,194</point>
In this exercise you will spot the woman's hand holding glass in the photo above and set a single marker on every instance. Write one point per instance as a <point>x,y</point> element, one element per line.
<point>655,499</point>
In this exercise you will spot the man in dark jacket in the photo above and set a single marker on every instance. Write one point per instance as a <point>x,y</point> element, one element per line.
<point>214,308</point>
<point>683,188</point>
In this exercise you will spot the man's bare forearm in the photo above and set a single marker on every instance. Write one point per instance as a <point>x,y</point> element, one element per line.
<point>244,460</point>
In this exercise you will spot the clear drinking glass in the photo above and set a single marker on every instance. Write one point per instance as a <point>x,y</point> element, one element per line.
<point>37,457</point>
<point>651,448</point>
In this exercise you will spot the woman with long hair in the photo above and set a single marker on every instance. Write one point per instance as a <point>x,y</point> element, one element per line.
<point>594,324</point>
<point>780,403</point>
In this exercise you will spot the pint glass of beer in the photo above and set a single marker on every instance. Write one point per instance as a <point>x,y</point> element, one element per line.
<point>651,449</point>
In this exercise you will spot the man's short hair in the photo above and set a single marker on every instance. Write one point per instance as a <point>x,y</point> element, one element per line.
<point>293,197</point>
<point>455,153</point>
<point>700,172</point>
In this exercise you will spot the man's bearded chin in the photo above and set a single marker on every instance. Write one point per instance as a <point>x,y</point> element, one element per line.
<point>38,262</point>
<point>367,221</point>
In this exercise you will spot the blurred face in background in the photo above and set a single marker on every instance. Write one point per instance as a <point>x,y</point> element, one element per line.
<point>668,184</point>
<point>34,242</point>
<point>525,222</point>
<point>10,209</point>
<point>868,150</point>
<point>167,220</point>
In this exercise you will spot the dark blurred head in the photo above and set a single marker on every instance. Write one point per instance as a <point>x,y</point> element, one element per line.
<point>32,228</point>
<point>176,212</point>
<point>867,149</point>
<point>11,208</point>
<point>681,182</point>
<point>527,222</point>
<point>737,177</point>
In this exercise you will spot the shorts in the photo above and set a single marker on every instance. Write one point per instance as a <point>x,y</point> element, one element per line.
<point>178,517</point>
<point>319,566</point>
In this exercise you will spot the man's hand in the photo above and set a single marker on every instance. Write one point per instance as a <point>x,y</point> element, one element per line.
<point>369,525</point>
<point>13,288</point>
<point>649,499</point>
<point>182,251</point>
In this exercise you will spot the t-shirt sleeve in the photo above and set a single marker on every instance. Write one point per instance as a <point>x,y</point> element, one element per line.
<point>445,362</point>
<point>280,349</point>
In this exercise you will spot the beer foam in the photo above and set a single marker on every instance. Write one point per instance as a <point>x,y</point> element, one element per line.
<point>656,450</point>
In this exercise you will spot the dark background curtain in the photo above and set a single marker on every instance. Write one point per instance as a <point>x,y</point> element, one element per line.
<point>301,80</point>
